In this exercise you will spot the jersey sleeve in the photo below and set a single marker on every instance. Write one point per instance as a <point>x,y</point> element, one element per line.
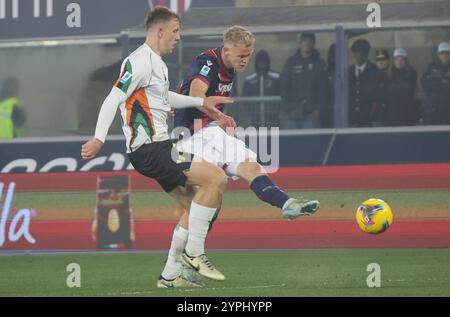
<point>206,69</point>
<point>107,112</point>
<point>134,74</point>
<point>178,101</point>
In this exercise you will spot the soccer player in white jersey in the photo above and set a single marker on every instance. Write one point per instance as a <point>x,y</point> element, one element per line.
<point>143,96</point>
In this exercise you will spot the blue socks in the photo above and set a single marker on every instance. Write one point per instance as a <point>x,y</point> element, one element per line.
<point>263,187</point>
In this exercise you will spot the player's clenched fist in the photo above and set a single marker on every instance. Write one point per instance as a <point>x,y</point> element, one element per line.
<point>91,148</point>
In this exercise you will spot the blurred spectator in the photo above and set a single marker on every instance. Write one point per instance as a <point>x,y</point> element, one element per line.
<point>327,118</point>
<point>402,105</point>
<point>264,82</point>
<point>12,116</point>
<point>303,86</point>
<point>383,61</point>
<point>364,87</point>
<point>436,84</point>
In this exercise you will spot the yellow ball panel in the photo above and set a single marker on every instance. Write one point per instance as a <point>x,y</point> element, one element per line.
<point>374,216</point>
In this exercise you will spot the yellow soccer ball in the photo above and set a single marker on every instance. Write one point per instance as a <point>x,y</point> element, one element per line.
<point>374,216</point>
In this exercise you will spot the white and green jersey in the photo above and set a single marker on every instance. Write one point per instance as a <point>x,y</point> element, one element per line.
<point>144,79</point>
<point>143,96</point>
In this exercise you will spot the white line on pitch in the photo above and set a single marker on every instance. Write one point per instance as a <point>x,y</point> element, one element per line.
<point>194,289</point>
<point>236,287</point>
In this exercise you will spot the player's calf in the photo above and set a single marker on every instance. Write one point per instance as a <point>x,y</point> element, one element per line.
<point>268,192</point>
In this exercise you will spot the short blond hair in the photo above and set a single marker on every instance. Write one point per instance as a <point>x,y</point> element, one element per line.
<point>237,34</point>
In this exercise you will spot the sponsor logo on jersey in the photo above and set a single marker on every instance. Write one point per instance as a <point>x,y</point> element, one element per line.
<point>209,63</point>
<point>126,77</point>
<point>225,88</point>
<point>205,70</point>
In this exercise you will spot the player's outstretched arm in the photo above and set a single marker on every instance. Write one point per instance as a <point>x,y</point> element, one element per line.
<point>178,101</point>
<point>203,103</point>
<point>104,121</point>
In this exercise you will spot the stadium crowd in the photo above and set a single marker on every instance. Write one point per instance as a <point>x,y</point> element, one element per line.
<point>380,93</point>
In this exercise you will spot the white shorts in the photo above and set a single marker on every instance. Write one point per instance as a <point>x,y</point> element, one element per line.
<point>215,146</point>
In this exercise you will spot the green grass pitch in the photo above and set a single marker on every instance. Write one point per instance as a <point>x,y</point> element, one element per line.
<point>339,272</point>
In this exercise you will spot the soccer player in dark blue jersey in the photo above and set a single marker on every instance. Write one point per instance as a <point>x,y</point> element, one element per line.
<point>212,74</point>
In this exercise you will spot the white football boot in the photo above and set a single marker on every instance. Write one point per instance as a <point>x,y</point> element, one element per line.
<point>203,266</point>
<point>187,279</point>
<point>294,208</point>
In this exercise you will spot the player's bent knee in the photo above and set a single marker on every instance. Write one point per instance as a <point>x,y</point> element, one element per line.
<point>219,180</point>
<point>207,175</point>
<point>249,170</point>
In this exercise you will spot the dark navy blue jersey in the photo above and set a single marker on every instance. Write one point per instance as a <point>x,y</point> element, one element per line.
<point>209,68</point>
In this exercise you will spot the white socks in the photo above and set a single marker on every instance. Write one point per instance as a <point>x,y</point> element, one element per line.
<point>199,220</point>
<point>193,240</point>
<point>173,264</point>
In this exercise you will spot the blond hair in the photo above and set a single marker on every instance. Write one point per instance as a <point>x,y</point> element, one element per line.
<point>237,34</point>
